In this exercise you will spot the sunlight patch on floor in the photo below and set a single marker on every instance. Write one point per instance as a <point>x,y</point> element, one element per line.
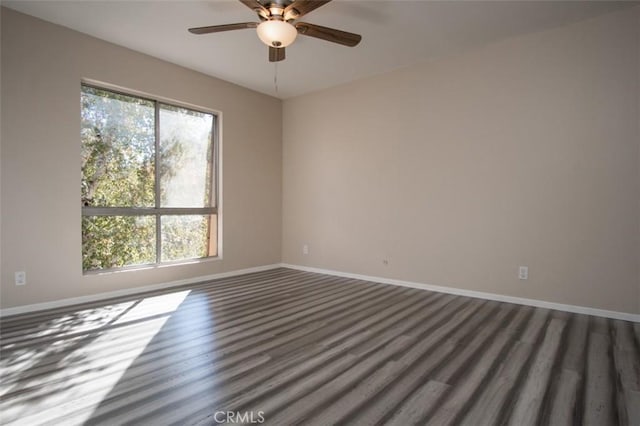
<point>85,378</point>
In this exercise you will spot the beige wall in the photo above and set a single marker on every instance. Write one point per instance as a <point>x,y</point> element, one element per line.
<point>522,153</point>
<point>42,66</point>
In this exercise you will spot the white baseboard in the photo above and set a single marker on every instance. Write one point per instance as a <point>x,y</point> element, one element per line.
<point>477,294</point>
<point>127,292</point>
<point>450,290</point>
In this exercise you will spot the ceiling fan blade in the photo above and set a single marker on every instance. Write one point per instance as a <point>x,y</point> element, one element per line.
<point>328,34</point>
<point>276,54</point>
<point>257,7</point>
<point>299,8</point>
<point>220,28</point>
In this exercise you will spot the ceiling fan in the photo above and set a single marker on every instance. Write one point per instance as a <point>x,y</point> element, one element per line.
<point>279,27</point>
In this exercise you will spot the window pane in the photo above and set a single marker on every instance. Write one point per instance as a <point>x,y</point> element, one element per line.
<point>187,237</point>
<point>143,153</point>
<point>185,157</point>
<point>115,241</point>
<point>117,149</point>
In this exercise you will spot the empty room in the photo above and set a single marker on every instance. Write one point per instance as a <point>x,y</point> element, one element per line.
<point>320,212</point>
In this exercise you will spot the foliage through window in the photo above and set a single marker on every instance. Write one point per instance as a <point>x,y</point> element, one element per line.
<point>148,181</point>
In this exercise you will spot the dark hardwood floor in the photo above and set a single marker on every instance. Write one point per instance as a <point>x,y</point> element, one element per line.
<point>290,347</point>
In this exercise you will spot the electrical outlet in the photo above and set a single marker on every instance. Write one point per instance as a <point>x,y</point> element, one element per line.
<point>21,278</point>
<point>305,249</point>
<point>523,272</point>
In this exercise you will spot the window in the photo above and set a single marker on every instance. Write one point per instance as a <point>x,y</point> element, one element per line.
<point>149,190</point>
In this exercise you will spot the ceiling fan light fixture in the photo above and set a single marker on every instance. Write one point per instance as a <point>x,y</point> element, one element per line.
<point>276,33</point>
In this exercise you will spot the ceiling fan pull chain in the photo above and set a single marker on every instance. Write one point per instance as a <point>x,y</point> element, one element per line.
<point>275,77</point>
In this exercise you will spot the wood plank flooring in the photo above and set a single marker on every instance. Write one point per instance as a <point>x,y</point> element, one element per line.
<point>291,347</point>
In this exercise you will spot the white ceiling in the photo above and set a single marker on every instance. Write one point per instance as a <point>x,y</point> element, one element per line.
<point>395,34</point>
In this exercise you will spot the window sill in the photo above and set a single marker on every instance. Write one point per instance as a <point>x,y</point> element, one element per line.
<point>152,266</point>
